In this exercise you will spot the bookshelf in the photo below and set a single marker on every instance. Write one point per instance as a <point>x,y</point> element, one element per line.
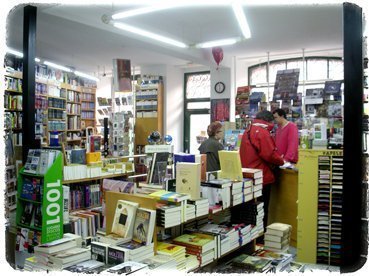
<point>149,109</point>
<point>320,206</point>
<point>39,201</point>
<point>88,99</point>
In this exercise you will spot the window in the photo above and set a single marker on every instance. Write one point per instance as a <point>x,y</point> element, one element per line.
<point>198,86</point>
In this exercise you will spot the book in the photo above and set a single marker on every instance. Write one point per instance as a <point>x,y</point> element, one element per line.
<point>252,173</point>
<point>117,255</point>
<point>143,229</point>
<point>78,156</point>
<point>194,241</point>
<point>252,262</point>
<point>217,183</point>
<point>68,241</point>
<point>169,196</point>
<point>279,260</point>
<point>27,214</point>
<point>73,254</point>
<point>278,229</point>
<point>156,171</point>
<point>37,222</point>
<point>188,179</point>
<point>66,199</point>
<point>125,213</point>
<point>88,266</point>
<point>99,251</point>
<point>134,247</point>
<point>126,268</point>
<point>201,159</point>
<point>230,165</point>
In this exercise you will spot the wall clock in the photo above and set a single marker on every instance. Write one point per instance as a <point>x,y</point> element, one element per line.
<point>219,87</point>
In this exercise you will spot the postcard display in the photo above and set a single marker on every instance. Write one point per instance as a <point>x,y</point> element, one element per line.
<point>329,246</point>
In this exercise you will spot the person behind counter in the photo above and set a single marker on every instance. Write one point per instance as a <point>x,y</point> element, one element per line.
<point>211,146</point>
<point>286,137</point>
<point>258,151</point>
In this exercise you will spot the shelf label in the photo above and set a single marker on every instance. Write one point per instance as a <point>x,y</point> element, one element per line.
<point>52,211</point>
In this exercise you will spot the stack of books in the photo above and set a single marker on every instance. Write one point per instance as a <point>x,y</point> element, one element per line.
<point>201,206</point>
<point>61,253</point>
<point>175,251</point>
<point>32,264</point>
<point>137,251</point>
<point>160,263</point>
<point>229,238</point>
<point>237,192</point>
<point>198,244</point>
<point>277,237</point>
<point>190,212</point>
<point>248,193</point>
<point>218,192</point>
<point>191,262</point>
<point>257,176</point>
<point>168,215</point>
<point>250,213</point>
<point>252,263</point>
<point>244,233</point>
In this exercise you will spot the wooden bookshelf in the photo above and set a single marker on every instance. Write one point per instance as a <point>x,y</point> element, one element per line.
<point>149,111</point>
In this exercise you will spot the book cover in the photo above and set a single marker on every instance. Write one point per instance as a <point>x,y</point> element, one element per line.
<point>170,249</point>
<point>124,217</point>
<point>253,262</point>
<point>37,222</point>
<point>99,251</point>
<point>27,214</point>
<point>188,179</point>
<point>201,158</point>
<point>230,165</point>
<point>192,241</point>
<point>117,255</point>
<point>144,225</point>
<point>78,156</point>
<point>169,196</point>
<point>156,172</point>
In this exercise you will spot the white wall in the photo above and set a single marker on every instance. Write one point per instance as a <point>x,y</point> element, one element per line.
<point>174,106</point>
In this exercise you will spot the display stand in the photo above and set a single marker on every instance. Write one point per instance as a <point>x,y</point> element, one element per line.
<point>111,199</point>
<point>52,201</point>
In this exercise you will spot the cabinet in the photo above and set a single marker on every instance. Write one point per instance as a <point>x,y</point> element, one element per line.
<point>40,201</point>
<point>149,109</point>
<point>319,223</point>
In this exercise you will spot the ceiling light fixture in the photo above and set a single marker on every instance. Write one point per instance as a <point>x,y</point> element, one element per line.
<point>241,18</point>
<point>139,11</point>
<point>149,35</point>
<point>18,54</point>
<point>57,66</point>
<point>83,75</point>
<point>221,42</point>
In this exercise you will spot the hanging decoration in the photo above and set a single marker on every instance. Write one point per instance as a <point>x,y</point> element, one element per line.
<point>217,54</point>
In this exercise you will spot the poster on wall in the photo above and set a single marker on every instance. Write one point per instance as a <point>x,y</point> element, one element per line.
<point>220,110</point>
<point>286,83</point>
<point>122,75</point>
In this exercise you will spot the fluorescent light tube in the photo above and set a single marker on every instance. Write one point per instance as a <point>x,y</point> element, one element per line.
<point>149,35</point>
<point>14,52</point>
<point>238,12</point>
<point>139,11</point>
<point>78,73</point>
<point>57,66</point>
<point>18,54</point>
<point>220,42</point>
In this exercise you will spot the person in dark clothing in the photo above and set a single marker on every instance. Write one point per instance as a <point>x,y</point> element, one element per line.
<point>211,146</point>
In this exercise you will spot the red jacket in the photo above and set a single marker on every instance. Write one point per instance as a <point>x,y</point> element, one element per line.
<point>261,153</point>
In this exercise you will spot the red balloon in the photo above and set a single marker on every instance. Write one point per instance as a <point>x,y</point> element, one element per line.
<point>217,54</point>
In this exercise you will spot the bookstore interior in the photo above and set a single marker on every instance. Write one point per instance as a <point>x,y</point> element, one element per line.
<point>103,172</point>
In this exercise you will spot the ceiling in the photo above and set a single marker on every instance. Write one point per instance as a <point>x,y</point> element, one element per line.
<point>76,36</point>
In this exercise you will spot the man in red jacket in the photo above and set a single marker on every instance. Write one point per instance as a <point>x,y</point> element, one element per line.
<point>258,151</point>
